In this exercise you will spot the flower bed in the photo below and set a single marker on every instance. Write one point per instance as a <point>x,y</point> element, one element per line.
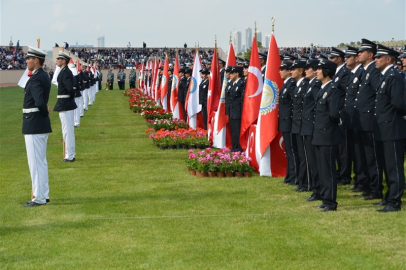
<point>139,101</point>
<point>166,124</point>
<point>222,161</point>
<point>179,138</point>
<point>156,114</point>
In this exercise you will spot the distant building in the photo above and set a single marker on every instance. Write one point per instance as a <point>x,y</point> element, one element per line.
<point>237,41</point>
<point>248,38</point>
<point>100,42</point>
<point>267,41</point>
<point>243,47</point>
<point>259,37</point>
<point>81,46</point>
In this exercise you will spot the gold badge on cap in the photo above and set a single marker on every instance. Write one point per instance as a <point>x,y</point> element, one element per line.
<point>324,95</point>
<point>355,80</point>
<point>383,85</point>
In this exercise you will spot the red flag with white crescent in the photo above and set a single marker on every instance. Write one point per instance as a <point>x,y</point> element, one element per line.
<point>252,96</point>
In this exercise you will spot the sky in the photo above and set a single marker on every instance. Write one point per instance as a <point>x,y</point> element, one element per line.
<point>171,23</point>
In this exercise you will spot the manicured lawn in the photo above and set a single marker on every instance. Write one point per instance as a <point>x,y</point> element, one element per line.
<point>124,204</point>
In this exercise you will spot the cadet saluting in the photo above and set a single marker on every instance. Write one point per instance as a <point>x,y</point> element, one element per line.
<point>37,126</point>
<point>65,105</point>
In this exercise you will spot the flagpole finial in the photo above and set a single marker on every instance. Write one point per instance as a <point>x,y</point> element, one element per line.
<point>255,31</point>
<point>230,36</point>
<point>215,41</point>
<point>38,42</point>
<point>273,24</point>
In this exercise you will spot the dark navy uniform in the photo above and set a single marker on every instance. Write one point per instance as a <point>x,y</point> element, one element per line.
<point>236,104</point>
<point>132,78</point>
<point>228,96</point>
<point>285,126</point>
<point>326,137</point>
<point>182,93</point>
<point>203,91</point>
<point>297,101</point>
<point>110,79</point>
<point>36,96</point>
<point>363,122</point>
<point>390,131</point>
<point>308,116</point>
<point>66,93</point>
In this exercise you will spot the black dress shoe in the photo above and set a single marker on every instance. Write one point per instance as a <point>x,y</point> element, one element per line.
<point>358,190</point>
<point>291,184</point>
<point>47,200</point>
<point>321,206</point>
<point>68,160</point>
<point>364,194</point>
<point>373,197</point>
<point>381,203</point>
<point>351,187</point>
<point>388,208</point>
<point>327,209</point>
<point>312,199</point>
<point>33,204</point>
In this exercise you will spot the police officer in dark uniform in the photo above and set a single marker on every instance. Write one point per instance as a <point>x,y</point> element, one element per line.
<point>222,64</point>
<point>110,79</point>
<point>170,79</point>
<point>132,78</point>
<point>124,76</point>
<point>51,75</point>
<point>100,78</point>
<point>262,60</point>
<point>181,90</point>
<point>285,123</point>
<point>326,133</point>
<point>203,91</point>
<point>346,114</point>
<point>341,79</point>
<point>390,127</point>
<point>299,75</point>
<point>236,100</point>
<point>363,120</point>
<point>308,115</point>
<point>37,125</point>
<point>228,90</point>
<point>245,70</point>
<point>65,105</point>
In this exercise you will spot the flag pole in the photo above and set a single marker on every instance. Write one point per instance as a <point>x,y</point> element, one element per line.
<point>273,24</point>
<point>255,32</point>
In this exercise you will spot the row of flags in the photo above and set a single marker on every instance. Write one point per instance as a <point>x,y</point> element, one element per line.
<point>259,135</point>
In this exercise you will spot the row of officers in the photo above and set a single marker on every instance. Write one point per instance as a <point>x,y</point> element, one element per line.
<point>76,91</point>
<point>346,112</point>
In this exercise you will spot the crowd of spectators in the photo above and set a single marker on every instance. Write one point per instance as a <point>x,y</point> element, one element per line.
<point>118,58</point>
<point>12,58</point>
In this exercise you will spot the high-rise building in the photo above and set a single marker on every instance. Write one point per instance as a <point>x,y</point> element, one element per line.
<point>100,42</point>
<point>267,40</point>
<point>248,38</point>
<point>259,37</point>
<point>237,41</point>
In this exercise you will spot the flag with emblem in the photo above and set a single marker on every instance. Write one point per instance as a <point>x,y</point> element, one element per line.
<point>157,89</point>
<point>213,95</point>
<point>164,85</point>
<point>269,142</point>
<point>193,106</point>
<point>222,135</point>
<point>252,96</point>
<point>175,105</point>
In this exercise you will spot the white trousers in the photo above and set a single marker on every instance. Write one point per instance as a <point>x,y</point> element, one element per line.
<point>36,145</point>
<point>85,95</point>
<point>97,87</point>
<point>91,95</point>
<point>77,111</point>
<point>68,133</point>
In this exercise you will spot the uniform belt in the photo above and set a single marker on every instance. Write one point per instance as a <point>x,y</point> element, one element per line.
<point>30,110</point>
<point>63,96</point>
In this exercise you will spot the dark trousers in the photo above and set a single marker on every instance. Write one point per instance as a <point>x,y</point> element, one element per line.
<point>360,163</point>
<point>312,166</point>
<point>373,183</point>
<point>235,127</point>
<point>393,162</point>
<point>132,84</point>
<point>292,167</point>
<point>345,157</point>
<point>204,112</point>
<point>111,86</point>
<point>184,110</point>
<point>100,85</point>
<point>326,156</point>
<point>302,177</point>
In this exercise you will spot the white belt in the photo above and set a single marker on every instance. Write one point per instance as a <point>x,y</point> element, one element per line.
<point>30,110</point>
<point>63,96</point>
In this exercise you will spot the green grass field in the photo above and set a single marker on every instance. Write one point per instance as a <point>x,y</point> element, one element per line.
<point>124,204</point>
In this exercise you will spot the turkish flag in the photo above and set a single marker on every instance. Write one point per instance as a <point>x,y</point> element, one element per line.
<point>175,105</point>
<point>252,96</point>
<point>213,96</point>
<point>164,85</point>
